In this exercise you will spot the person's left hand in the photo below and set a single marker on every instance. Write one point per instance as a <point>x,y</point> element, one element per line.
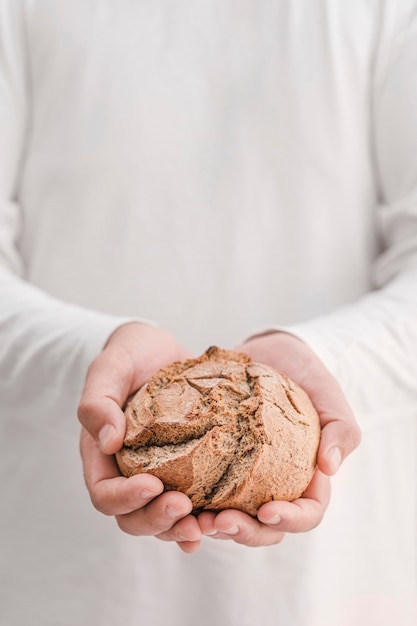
<point>339,437</point>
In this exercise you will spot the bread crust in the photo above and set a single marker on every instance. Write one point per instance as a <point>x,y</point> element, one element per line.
<point>227,432</point>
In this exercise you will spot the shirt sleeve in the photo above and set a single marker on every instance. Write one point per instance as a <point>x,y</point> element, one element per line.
<point>46,344</point>
<point>371,345</point>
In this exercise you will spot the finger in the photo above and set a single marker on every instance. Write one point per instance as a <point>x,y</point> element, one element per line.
<point>158,516</point>
<point>206,523</point>
<point>131,500</point>
<point>111,493</point>
<point>243,529</point>
<point>186,530</point>
<point>189,546</point>
<point>107,385</point>
<point>340,431</point>
<point>302,514</point>
<point>338,439</point>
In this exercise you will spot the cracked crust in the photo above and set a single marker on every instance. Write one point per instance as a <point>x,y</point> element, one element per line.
<point>228,432</point>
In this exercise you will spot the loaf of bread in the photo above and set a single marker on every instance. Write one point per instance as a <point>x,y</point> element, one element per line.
<point>227,432</point>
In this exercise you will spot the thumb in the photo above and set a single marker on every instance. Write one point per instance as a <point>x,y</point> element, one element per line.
<point>340,433</point>
<point>338,440</point>
<point>133,353</point>
<point>107,386</point>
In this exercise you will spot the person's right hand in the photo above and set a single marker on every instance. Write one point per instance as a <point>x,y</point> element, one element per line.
<point>133,353</point>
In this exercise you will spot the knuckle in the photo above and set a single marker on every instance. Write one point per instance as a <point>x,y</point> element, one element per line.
<point>99,504</point>
<point>84,411</point>
<point>255,543</point>
<point>279,538</point>
<point>160,522</point>
<point>168,536</point>
<point>103,499</point>
<point>353,438</point>
<point>124,524</point>
<point>93,366</point>
<point>316,517</point>
<point>158,527</point>
<point>316,521</point>
<point>131,524</point>
<point>357,435</point>
<point>250,539</point>
<point>128,500</point>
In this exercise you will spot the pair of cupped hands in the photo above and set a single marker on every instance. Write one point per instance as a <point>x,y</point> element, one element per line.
<point>133,353</point>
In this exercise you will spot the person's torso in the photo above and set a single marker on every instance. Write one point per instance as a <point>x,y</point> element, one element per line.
<point>207,165</point>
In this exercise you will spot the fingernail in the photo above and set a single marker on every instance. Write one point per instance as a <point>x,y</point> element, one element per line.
<point>274,520</point>
<point>106,435</point>
<point>210,533</point>
<point>335,457</point>
<point>231,531</point>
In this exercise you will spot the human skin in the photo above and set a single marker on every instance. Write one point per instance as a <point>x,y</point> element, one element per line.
<point>132,354</point>
<point>340,435</point>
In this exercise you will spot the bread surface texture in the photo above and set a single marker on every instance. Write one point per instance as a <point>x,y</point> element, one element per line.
<point>226,431</point>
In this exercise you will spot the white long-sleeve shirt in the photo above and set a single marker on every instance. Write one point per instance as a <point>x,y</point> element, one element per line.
<point>219,167</point>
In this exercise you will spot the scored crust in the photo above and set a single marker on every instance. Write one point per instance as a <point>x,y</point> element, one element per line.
<point>227,432</point>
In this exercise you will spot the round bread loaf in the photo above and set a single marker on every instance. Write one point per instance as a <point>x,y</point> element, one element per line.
<point>227,432</point>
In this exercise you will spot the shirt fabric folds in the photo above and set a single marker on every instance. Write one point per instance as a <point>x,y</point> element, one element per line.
<point>220,168</point>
